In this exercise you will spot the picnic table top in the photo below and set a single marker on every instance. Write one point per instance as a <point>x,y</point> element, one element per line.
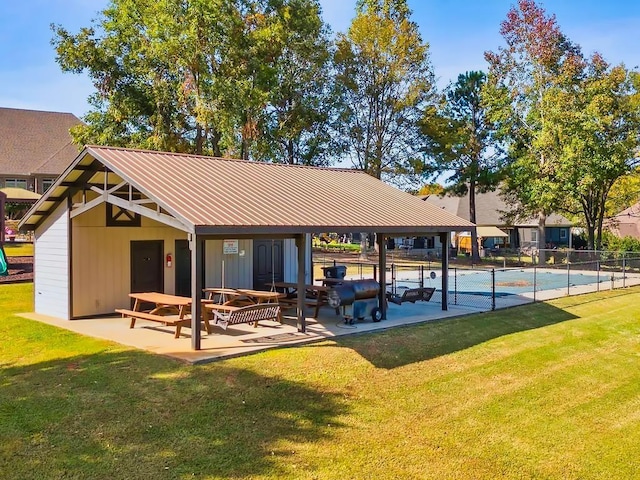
<point>161,298</point>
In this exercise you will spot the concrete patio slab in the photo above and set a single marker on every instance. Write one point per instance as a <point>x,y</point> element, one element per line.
<point>244,339</point>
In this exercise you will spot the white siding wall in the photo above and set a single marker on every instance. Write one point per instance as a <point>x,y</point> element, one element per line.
<point>291,260</point>
<point>51,265</point>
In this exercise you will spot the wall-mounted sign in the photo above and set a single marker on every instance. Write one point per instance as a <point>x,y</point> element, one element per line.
<point>230,247</point>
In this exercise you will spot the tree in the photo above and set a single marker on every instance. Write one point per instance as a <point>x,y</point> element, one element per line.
<point>596,124</point>
<point>431,189</point>
<point>294,124</point>
<point>196,75</point>
<point>537,58</point>
<point>624,193</point>
<point>459,140</point>
<point>385,80</point>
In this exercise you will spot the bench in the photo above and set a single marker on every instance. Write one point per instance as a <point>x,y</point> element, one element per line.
<point>249,314</point>
<point>412,295</point>
<point>173,320</point>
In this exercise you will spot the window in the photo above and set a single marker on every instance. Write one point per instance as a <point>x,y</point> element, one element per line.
<point>534,235</point>
<point>563,234</point>
<point>46,184</point>
<point>16,183</point>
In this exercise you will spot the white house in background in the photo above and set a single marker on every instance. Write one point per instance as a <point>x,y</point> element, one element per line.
<point>120,220</point>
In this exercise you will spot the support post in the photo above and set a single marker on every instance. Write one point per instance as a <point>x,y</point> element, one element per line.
<point>197,247</point>
<point>302,254</point>
<point>382,267</point>
<point>444,240</point>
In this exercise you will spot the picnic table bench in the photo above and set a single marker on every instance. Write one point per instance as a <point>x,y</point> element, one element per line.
<point>173,320</point>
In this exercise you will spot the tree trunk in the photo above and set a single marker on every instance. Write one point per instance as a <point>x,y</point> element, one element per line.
<point>591,237</point>
<point>291,159</point>
<point>475,254</point>
<point>542,235</point>
<point>363,246</point>
<point>199,140</point>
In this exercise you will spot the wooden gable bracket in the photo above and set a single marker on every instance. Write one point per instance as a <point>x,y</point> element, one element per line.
<point>107,195</point>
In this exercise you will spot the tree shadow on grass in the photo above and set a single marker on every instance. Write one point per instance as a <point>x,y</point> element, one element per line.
<point>414,343</point>
<point>133,415</point>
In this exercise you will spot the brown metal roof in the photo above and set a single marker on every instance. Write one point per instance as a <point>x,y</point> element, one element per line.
<point>213,194</point>
<point>35,142</point>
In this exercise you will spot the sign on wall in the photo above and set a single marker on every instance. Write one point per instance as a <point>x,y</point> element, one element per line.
<point>230,247</point>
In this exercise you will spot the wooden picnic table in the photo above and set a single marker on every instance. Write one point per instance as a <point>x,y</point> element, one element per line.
<point>168,310</point>
<point>221,295</point>
<point>314,295</point>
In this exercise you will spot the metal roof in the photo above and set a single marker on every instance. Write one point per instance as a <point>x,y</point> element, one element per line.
<point>215,195</point>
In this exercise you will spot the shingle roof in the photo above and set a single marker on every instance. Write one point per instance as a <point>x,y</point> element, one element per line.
<point>489,208</point>
<point>215,193</point>
<point>626,223</point>
<point>35,142</point>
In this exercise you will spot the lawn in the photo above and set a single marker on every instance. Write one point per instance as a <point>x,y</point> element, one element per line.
<point>550,390</point>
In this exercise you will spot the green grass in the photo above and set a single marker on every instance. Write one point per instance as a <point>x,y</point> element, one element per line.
<point>550,390</point>
<point>18,249</point>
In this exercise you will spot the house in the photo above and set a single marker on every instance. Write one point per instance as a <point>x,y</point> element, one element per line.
<point>120,220</point>
<point>626,223</point>
<point>494,231</point>
<point>35,148</point>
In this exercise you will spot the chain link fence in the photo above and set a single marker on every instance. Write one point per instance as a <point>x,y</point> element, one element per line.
<point>565,272</point>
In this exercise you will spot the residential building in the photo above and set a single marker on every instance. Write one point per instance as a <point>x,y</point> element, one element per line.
<point>490,212</point>
<point>35,147</point>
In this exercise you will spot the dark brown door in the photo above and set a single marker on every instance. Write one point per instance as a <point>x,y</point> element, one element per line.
<point>147,264</point>
<point>268,263</point>
<point>183,268</point>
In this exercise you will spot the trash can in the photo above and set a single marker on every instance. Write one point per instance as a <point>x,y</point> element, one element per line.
<point>391,243</point>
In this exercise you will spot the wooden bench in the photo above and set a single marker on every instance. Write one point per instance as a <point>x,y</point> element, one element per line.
<point>412,295</point>
<point>173,320</point>
<point>224,316</point>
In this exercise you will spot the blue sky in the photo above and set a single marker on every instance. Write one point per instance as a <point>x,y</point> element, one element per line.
<point>458,32</point>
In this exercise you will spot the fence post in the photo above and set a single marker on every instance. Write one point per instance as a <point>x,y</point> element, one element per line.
<point>568,279</point>
<point>394,285</point>
<point>421,276</point>
<point>624,270</point>
<point>598,274</point>
<point>455,286</point>
<point>535,283</point>
<point>375,272</point>
<point>493,289</point>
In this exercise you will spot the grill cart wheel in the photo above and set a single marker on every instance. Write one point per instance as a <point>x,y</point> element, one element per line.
<point>376,314</point>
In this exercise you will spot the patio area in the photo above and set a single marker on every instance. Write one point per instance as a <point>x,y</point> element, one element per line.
<point>245,339</point>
